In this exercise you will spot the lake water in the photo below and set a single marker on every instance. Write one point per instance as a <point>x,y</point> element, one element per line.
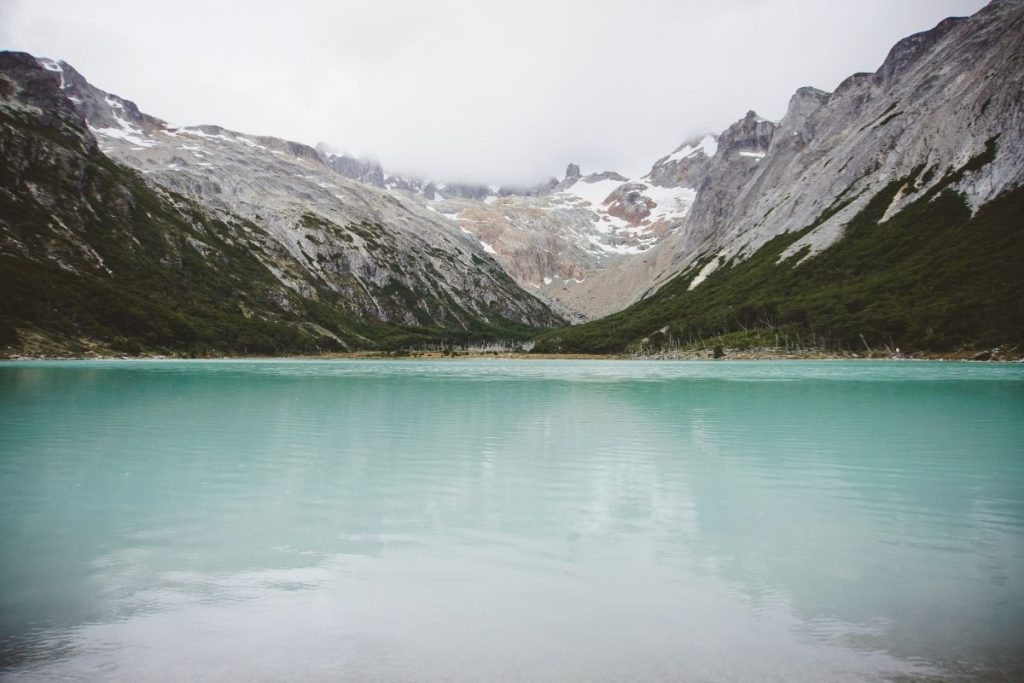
<point>511,520</point>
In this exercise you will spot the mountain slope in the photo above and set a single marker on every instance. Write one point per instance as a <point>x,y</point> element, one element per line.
<point>94,255</point>
<point>931,277</point>
<point>364,243</point>
<point>781,209</point>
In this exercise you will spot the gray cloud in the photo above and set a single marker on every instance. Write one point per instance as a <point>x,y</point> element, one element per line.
<point>465,89</point>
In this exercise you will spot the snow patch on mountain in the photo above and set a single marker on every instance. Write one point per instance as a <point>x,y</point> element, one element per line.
<point>708,145</point>
<point>671,202</point>
<point>593,193</point>
<point>710,267</point>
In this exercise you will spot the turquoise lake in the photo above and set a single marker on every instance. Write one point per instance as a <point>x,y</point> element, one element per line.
<point>511,520</point>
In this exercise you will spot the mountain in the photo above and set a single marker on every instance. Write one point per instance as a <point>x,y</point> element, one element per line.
<point>568,241</point>
<point>121,231</point>
<point>884,213</point>
<point>887,212</point>
<point>592,246</point>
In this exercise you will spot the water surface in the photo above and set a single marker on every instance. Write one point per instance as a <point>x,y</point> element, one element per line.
<point>511,520</point>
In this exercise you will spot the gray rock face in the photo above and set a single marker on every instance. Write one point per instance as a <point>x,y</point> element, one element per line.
<point>907,51</point>
<point>939,99</point>
<point>804,103</point>
<point>741,149</point>
<point>389,257</point>
<point>751,134</point>
<point>687,165</point>
<point>40,93</point>
<point>363,170</point>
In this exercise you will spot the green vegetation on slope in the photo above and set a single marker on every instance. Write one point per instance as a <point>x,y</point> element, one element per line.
<point>930,278</point>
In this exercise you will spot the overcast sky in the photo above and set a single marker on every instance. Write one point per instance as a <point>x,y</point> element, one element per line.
<point>496,92</point>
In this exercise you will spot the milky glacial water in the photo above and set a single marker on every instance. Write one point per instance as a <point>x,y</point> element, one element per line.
<point>511,520</point>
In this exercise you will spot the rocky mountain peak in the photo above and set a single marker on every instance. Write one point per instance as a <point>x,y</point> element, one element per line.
<point>910,49</point>
<point>802,106</point>
<point>572,171</point>
<point>807,96</point>
<point>685,166</point>
<point>36,88</point>
<point>605,175</point>
<point>101,109</point>
<point>363,170</point>
<point>750,134</point>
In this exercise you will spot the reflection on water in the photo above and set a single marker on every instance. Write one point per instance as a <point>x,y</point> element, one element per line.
<point>515,520</point>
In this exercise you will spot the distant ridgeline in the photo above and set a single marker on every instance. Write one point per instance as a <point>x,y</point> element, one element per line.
<point>885,214</point>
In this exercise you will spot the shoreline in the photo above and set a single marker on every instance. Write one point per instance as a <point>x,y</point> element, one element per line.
<point>1000,355</point>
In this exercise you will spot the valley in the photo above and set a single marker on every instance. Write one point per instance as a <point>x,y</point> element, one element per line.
<point>884,214</point>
